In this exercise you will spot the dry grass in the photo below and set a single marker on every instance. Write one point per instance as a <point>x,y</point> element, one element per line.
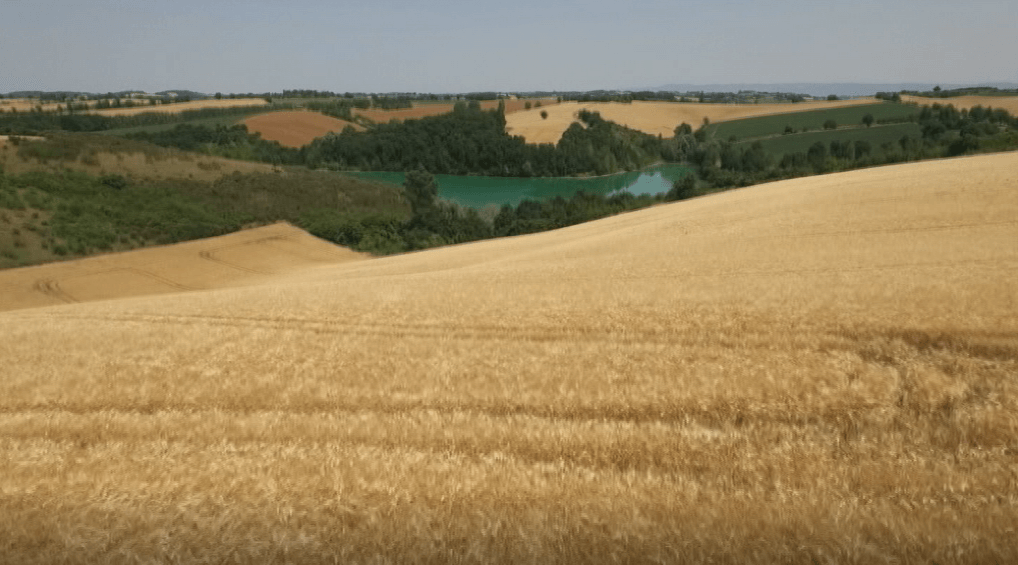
<point>811,371</point>
<point>296,128</point>
<point>1009,103</point>
<point>655,118</point>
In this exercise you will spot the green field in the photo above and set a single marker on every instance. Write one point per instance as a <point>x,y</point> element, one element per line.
<point>876,135</point>
<point>227,121</point>
<point>811,120</point>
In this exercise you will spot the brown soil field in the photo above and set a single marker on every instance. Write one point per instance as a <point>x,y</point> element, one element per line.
<point>424,110</point>
<point>183,106</point>
<point>655,118</point>
<point>296,128</point>
<point>817,370</point>
<point>1009,103</point>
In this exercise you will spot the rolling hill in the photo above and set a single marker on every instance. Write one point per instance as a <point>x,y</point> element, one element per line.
<point>812,370</point>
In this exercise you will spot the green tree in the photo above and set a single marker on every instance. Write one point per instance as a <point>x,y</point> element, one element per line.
<point>544,114</point>
<point>683,188</point>
<point>830,124</point>
<point>420,190</point>
<point>868,120</point>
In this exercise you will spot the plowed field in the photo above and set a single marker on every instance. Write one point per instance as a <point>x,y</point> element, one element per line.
<point>295,129</point>
<point>813,370</point>
<point>650,117</point>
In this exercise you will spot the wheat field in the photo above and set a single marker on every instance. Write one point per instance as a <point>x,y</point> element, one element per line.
<point>655,118</point>
<point>819,370</point>
<point>182,106</point>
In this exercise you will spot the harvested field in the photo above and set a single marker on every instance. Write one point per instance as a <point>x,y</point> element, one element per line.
<point>294,128</point>
<point>182,106</point>
<point>813,370</point>
<point>428,109</point>
<point>655,118</point>
<point>1009,103</point>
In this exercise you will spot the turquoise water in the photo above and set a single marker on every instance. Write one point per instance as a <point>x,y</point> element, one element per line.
<point>478,192</point>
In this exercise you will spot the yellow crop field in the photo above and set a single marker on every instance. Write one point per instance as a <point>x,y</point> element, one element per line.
<point>655,118</point>
<point>182,106</point>
<point>1009,103</point>
<point>818,370</point>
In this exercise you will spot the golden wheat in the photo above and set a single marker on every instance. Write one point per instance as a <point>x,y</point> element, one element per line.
<point>815,370</point>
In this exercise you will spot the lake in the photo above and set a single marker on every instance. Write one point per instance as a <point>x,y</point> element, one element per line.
<point>478,192</point>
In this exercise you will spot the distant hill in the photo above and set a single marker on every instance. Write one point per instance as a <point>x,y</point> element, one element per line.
<point>821,88</point>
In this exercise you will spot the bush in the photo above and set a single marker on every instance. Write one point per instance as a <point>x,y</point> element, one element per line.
<point>830,124</point>
<point>116,182</point>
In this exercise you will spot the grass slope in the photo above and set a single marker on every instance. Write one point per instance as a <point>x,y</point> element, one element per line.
<point>812,370</point>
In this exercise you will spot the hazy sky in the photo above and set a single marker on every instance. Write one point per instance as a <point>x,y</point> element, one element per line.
<point>459,46</point>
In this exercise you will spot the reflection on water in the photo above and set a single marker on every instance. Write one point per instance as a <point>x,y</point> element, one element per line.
<point>478,192</point>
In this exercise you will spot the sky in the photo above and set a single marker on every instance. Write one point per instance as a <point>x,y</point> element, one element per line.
<point>446,46</point>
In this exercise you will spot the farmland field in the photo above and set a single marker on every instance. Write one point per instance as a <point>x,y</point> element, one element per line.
<point>182,106</point>
<point>655,118</point>
<point>876,135</point>
<point>813,370</point>
<point>295,129</point>
<point>812,120</point>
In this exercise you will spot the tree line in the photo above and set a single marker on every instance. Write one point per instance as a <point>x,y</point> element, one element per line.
<point>470,140</point>
<point>945,132</point>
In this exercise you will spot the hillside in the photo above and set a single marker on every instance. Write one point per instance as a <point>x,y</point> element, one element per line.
<point>813,370</point>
